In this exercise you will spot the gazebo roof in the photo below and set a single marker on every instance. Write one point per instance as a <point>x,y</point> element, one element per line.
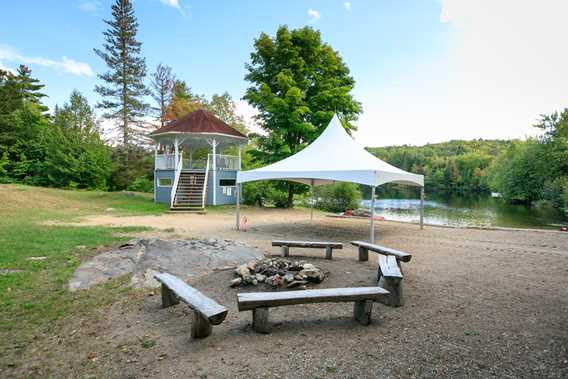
<point>199,122</point>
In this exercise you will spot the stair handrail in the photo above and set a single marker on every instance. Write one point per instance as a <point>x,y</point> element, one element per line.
<point>204,194</point>
<point>176,180</point>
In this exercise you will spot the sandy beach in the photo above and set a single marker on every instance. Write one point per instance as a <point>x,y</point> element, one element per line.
<point>479,303</point>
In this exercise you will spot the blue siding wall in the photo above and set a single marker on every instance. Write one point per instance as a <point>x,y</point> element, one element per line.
<point>163,194</point>
<point>223,196</point>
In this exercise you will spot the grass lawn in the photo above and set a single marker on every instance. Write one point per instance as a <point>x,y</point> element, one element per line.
<point>43,256</point>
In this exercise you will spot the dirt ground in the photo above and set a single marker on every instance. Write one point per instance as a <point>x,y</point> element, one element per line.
<point>479,303</point>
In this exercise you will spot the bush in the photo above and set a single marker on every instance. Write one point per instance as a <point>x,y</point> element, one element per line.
<point>556,192</point>
<point>337,197</point>
<point>141,184</point>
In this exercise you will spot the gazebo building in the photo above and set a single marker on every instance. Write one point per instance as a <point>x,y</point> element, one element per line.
<point>191,170</point>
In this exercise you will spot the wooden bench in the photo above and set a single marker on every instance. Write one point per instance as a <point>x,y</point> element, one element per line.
<point>365,247</point>
<point>260,302</point>
<point>328,246</point>
<point>389,275</point>
<point>206,312</point>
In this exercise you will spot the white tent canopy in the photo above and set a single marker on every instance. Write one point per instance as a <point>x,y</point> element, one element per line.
<point>333,157</point>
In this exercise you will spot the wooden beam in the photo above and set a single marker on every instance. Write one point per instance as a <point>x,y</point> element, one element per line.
<point>400,255</point>
<point>309,244</point>
<point>208,308</point>
<point>362,311</point>
<point>252,300</point>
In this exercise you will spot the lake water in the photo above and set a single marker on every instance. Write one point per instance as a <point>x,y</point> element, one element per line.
<point>465,211</point>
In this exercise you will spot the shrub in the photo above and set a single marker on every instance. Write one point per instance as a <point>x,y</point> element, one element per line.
<point>141,184</point>
<point>337,197</point>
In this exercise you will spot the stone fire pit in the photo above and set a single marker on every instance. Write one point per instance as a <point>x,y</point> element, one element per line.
<point>277,272</point>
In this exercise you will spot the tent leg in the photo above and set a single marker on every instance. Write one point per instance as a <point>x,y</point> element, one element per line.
<point>238,210</point>
<point>312,202</point>
<point>372,232</point>
<point>421,207</point>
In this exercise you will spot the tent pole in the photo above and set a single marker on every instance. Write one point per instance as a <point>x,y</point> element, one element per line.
<point>238,212</point>
<point>421,207</point>
<point>372,232</point>
<point>312,202</point>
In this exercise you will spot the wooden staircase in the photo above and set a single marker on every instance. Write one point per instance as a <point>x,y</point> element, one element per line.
<point>190,192</point>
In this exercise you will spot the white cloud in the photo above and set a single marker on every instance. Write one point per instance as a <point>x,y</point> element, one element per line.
<point>347,6</point>
<point>172,3</point>
<point>313,15</point>
<point>504,68</point>
<point>68,65</point>
<point>6,68</point>
<point>89,6</point>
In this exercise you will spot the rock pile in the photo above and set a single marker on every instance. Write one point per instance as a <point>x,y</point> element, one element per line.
<point>277,272</point>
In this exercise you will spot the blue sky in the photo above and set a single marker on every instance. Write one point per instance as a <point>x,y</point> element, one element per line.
<point>421,66</point>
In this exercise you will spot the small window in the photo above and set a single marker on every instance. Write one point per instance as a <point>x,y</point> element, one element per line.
<point>227,182</point>
<point>164,182</point>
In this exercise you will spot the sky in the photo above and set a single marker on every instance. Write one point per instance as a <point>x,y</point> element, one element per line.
<point>426,71</point>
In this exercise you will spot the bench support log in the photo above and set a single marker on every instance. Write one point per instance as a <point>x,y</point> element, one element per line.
<point>260,323</point>
<point>328,252</point>
<point>169,297</point>
<point>362,311</point>
<point>363,254</point>
<point>394,286</point>
<point>285,251</point>
<point>200,326</point>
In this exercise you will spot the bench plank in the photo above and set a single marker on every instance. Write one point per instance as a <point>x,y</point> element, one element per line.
<point>252,300</point>
<point>309,244</point>
<point>208,308</point>
<point>388,266</point>
<point>400,255</point>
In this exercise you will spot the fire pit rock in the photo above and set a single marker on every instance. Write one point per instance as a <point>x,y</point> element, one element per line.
<point>277,272</point>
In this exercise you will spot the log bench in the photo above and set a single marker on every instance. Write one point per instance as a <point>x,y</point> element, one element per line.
<point>206,312</point>
<point>260,302</point>
<point>328,246</point>
<point>389,275</point>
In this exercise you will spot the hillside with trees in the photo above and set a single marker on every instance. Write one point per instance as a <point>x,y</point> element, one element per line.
<point>455,167</point>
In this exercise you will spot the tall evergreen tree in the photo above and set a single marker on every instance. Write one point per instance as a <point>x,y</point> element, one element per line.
<point>123,88</point>
<point>29,88</point>
<point>163,81</point>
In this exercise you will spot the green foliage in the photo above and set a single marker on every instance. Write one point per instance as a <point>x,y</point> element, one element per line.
<point>457,167</point>
<point>297,83</point>
<point>225,109</point>
<point>141,184</point>
<point>536,169</point>
<point>123,88</point>
<point>337,197</point>
<point>518,173</point>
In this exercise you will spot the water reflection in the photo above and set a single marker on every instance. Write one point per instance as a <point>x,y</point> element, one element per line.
<point>468,211</point>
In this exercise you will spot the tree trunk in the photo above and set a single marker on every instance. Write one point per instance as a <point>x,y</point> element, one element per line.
<point>290,196</point>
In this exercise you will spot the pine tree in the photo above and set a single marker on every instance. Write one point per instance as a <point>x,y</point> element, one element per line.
<point>29,88</point>
<point>163,81</point>
<point>123,88</point>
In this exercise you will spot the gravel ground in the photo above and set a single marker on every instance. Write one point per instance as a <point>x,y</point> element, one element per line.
<point>479,303</point>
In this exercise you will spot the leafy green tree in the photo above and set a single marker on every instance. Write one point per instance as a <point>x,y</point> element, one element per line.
<point>163,81</point>
<point>183,101</point>
<point>123,88</point>
<point>297,83</point>
<point>77,114</point>
<point>10,96</point>
<point>224,107</point>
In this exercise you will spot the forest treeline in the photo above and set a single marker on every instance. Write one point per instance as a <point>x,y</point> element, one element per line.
<point>454,167</point>
<point>526,171</point>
